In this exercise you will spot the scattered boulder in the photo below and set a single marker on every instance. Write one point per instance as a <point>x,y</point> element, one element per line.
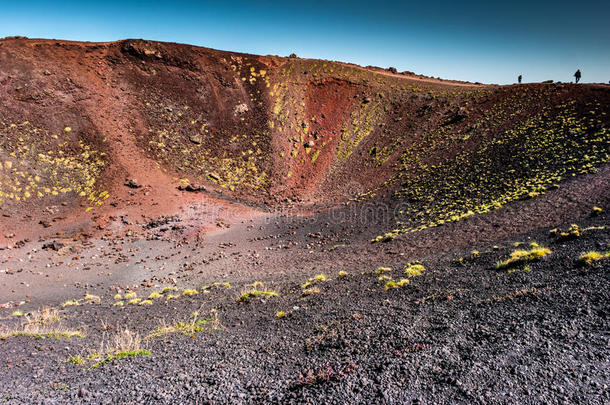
<point>241,108</point>
<point>133,183</point>
<point>54,245</point>
<point>310,144</point>
<point>163,220</point>
<point>192,188</point>
<point>456,116</point>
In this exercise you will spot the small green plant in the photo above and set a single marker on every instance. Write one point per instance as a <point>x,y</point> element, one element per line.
<point>387,237</point>
<point>145,302</point>
<point>134,301</point>
<point>118,297</point>
<point>381,270</point>
<point>168,289</point>
<point>395,284</point>
<point>131,295</point>
<point>70,303</point>
<point>312,280</point>
<point>518,257</point>
<point>280,314</point>
<point>459,261</point>
<point>190,292</point>
<point>342,273</point>
<point>92,298</point>
<point>118,304</point>
<point>121,355</point>
<point>190,327</point>
<point>155,294</point>
<point>402,282</point>
<point>76,360</point>
<point>596,211</point>
<point>414,270</point>
<point>246,296</point>
<point>592,256</point>
<point>572,233</point>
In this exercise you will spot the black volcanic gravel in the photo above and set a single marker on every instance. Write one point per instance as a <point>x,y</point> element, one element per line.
<point>460,333</point>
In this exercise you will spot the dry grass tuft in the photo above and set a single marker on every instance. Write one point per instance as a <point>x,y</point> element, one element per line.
<point>40,324</point>
<point>311,291</point>
<point>123,343</point>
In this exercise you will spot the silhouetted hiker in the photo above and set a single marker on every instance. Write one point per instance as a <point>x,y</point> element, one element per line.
<point>577,75</point>
<point>519,78</point>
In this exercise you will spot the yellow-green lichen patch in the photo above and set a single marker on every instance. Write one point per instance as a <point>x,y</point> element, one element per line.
<point>37,164</point>
<point>523,160</point>
<point>363,121</point>
<point>188,143</point>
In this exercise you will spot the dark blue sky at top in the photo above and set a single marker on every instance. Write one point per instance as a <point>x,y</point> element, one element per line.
<point>484,41</point>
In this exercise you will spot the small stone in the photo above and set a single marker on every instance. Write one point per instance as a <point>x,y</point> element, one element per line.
<point>196,139</point>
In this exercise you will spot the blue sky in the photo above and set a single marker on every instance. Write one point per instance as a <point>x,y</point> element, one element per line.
<point>484,41</point>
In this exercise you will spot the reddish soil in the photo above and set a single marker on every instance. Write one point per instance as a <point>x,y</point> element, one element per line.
<point>164,112</point>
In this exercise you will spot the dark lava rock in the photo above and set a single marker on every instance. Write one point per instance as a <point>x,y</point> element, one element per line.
<point>132,183</point>
<point>54,245</point>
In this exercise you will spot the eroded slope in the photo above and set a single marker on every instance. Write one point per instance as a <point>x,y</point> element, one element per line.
<point>80,119</point>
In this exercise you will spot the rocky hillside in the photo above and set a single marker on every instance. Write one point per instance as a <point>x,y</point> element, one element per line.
<point>91,130</point>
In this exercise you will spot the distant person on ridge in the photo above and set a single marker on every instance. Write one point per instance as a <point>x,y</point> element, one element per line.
<point>519,79</point>
<point>577,75</point>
